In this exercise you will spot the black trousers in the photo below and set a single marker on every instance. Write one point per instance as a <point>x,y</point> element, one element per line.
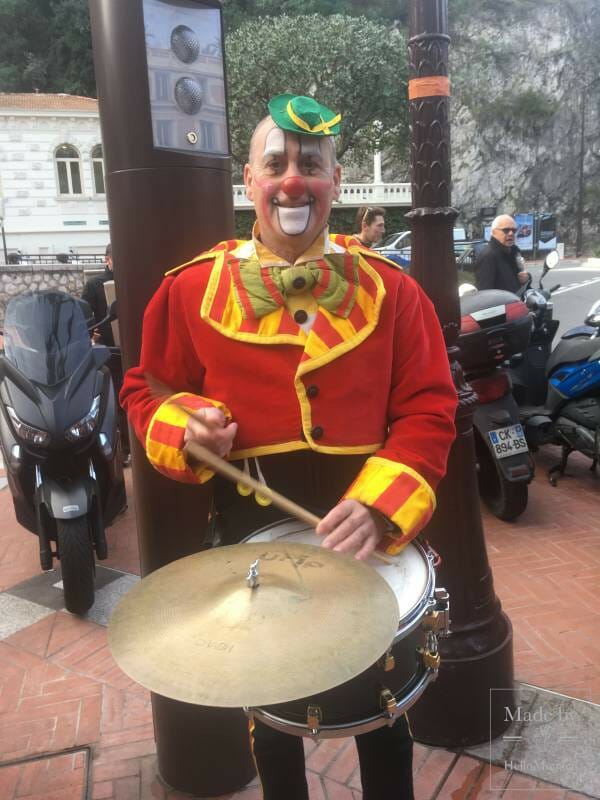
<point>385,758</point>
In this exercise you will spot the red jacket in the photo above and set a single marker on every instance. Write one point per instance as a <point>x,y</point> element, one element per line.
<point>376,382</point>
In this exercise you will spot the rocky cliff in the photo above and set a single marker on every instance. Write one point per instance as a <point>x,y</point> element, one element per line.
<point>525,78</point>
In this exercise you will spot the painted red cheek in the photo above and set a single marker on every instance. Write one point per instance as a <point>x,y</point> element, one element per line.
<point>318,188</point>
<point>295,186</point>
<point>266,190</point>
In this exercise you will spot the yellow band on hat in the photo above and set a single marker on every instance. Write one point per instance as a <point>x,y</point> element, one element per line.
<point>322,126</point>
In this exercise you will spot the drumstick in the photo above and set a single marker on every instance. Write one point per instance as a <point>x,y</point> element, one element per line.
<point>206,456</point>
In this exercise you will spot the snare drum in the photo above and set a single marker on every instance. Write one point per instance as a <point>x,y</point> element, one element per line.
<point>397,678</point>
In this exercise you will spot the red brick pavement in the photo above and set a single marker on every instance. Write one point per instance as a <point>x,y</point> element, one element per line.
<point>61,690</point>
<point>60,777</point>
<point>547,572</point>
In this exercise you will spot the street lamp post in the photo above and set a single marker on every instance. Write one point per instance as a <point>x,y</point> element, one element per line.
<point>581,176</point>
<point>477,657</point>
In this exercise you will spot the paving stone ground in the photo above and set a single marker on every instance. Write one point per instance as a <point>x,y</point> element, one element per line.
<point>72,725</point>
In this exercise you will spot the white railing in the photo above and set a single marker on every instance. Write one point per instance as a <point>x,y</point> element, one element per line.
<point>352,194</point>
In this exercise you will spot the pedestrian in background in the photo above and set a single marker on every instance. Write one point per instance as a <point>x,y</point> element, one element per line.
<point>370,225</point>
<point>93,293</point>
<point>500,265</point>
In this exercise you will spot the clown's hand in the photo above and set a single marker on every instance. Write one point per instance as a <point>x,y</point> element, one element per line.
<point>351,526</point>
<point>209,427</point>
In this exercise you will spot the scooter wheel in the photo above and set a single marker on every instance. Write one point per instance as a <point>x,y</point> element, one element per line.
<point>77,564</point>
<point>505,499</point>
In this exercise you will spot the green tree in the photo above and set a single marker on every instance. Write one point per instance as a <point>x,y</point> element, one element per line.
<point>23,44</point>
<point>70,52</point>
<point>352,64</point>
<point>45,45</point>
<point>237,12</point>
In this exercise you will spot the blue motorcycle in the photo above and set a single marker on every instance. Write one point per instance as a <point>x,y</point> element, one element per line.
<point>558,390</point>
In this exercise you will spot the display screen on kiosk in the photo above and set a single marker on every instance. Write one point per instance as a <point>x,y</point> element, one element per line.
<point>186,78</point>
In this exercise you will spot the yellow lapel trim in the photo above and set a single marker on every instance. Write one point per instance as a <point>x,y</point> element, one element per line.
<point>230,320</point>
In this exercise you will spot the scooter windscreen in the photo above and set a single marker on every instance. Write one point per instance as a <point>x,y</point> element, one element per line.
<point>45,336</point>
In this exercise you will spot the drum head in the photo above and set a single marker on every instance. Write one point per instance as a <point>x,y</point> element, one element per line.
<point>410,576</point>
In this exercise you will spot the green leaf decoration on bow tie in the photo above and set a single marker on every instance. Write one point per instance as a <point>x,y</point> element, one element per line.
<point>333,281</point>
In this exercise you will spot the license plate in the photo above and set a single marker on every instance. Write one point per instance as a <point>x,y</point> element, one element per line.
<point>508,441</point>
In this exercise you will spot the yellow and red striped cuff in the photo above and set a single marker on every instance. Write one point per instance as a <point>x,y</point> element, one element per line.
<point>164,439</point>
<point>398,492</point>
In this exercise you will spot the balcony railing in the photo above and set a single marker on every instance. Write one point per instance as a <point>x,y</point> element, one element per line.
<point>35,260</point>
<point>352,194</point>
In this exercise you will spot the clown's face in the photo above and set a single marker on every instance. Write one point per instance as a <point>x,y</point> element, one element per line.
<point>292,181</point>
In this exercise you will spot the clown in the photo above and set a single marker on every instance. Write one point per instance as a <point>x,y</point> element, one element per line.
<point>313,363</point>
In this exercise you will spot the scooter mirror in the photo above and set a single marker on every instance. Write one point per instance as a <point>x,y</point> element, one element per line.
<point>593,317</point>
<point>466,288</point>
<point>552,260</point>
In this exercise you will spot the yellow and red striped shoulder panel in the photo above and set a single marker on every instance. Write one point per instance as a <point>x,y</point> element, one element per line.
<point>366,253</point>
<point>342,240</point>
<point>354,245</point>
<point>222,247</point>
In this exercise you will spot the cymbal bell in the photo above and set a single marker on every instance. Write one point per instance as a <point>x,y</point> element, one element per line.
<point>196,631</point>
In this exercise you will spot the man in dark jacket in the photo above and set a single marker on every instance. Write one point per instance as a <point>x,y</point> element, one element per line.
<point>500,264</point>
<point>93,293</point>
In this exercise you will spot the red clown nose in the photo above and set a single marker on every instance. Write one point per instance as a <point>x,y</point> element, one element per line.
<point>294,186</point>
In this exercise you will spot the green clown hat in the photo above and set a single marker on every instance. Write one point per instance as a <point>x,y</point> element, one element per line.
<point>305,115</point>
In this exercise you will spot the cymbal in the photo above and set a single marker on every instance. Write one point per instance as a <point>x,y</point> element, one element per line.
<point>196,631</point>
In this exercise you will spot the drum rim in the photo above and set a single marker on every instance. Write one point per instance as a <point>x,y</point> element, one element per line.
<point>420,683</point>
<point>411,619</point>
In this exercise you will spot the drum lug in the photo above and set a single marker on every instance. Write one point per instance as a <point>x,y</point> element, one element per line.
<point>429,654</point>
<point>314,717</point>
<point>431,621</point>
<point>440,615</point>
<point>387,662</point>
<point>388,703</point>
<point>429,659</point>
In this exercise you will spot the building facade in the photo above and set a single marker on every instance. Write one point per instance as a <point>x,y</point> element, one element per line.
<point>52,193</point>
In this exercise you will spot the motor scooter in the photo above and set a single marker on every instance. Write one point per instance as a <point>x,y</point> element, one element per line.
<point>494,325</point>
<point>59,436</point>
<point>558,390</point>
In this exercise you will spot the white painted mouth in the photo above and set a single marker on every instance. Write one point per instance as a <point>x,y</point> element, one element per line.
<point>293,221</point>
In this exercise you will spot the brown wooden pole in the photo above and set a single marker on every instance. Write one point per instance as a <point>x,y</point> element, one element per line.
<point>165,206</point>
<point>475,682</point>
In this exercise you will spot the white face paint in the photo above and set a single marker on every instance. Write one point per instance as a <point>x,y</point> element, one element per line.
<point>275,143</point>
<point>293,221</point>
